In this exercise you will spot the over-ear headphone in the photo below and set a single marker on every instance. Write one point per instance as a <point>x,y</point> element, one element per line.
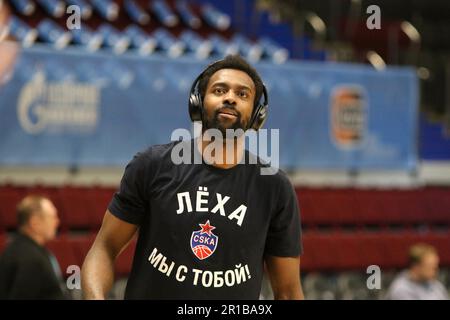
<point>259,114</point>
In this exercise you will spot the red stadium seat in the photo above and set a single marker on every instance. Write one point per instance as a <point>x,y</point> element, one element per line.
<point>321,250</point>
<point>350,250</point>
<point>319,207</point>
<point>390,207</point>
<point>81,245</point>
<point>414,204</point>
<point>329,208</point>
<point>307,261</point>
<point>64,252</point>
<point>3,242</point>
<point>84,208</point>
<point>306,205</point>
<point>99,199</point>
<point>75,208</point>
<point>369,207</point>
<point>334,251</point>
<point>347,207</point>
<point>396,246</point>
<point>50,192</point>
<point>438,205</point>
<point>9,198</point>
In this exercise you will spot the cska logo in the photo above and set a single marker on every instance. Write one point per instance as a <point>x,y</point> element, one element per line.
<point>204,242</point>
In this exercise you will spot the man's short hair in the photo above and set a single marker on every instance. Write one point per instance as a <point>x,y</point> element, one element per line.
<point>232,62</point>
<point>418,251</point>
<point>27,207</point>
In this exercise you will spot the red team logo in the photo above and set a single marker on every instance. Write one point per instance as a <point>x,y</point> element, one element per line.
<point>204,242</point>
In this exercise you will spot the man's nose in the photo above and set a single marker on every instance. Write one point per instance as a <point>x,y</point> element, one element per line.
<point>229,98</point>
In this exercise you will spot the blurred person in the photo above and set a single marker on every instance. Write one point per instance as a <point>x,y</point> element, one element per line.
<point>8,54</point>
<point>419,281</point>
<point>27,269</point>
<point>215,246</point>
<point>4,20</point>
<point>9,50</point>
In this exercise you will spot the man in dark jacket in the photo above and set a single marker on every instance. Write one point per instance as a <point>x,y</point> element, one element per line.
<point>27,269</point>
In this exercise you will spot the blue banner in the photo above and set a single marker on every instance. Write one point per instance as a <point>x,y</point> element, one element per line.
<point>82,109</point>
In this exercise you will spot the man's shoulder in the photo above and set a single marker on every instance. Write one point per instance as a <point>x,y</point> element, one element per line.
<point>438,285</point>
<point>403,282</point>
<point>155,152</point>
<point>401,288</point>
<point>22,249</point>
<point>158,149</point>
<point>266,169</point>
<point>268,175</point>
<point>277,177</point>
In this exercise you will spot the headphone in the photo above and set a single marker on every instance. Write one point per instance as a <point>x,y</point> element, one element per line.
<point>196,110</point>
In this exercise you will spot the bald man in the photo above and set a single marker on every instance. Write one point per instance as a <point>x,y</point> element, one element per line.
<point>27,269</point>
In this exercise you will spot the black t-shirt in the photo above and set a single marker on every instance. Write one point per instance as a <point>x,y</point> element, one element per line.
<point>204,231</point>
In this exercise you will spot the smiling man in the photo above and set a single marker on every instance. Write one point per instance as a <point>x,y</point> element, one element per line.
<point>205,230</point>
<point>230,95</point>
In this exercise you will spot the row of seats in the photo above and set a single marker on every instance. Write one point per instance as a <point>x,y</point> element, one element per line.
<point>323,251</point>
<point>84,207</point>
<point>73,250</point>
<point>172,27</point>
<point>336,250</point>
<point>384,207</point>
<point>78,207</point>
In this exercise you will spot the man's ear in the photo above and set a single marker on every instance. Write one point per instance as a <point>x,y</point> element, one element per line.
<point>34,221</point>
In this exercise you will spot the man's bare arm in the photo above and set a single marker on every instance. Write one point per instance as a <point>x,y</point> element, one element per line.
<point>284,274</point>
<point>97,274</point>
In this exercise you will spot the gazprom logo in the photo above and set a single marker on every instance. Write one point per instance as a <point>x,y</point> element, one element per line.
<point>66,106</point>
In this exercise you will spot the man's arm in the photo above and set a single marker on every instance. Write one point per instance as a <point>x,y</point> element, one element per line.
<point>97,274</point>
<point>284,274</point>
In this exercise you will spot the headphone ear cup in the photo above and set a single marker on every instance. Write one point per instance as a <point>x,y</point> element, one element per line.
<point>195,107</point>
<point>259,117</point>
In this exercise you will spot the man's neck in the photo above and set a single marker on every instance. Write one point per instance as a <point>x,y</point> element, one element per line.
<point>224,154</point>
<point>33,236</point>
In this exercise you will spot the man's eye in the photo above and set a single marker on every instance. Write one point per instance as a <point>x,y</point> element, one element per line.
<point>243,94</point>
<point>219,90</point>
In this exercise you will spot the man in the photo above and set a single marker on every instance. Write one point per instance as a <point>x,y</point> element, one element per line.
<point>205,230</point>
<point>27,269</point>
<point>419,281</point>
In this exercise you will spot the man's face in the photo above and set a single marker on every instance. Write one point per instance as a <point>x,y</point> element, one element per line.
<point>47,221</point>
<point>428,267</point>
<point>228,101</point>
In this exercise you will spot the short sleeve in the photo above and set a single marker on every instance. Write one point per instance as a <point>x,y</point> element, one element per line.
<point>284,234</point>
<point>130,202</point>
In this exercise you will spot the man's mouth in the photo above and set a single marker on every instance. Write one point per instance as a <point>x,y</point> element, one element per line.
<point>228,113</point>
